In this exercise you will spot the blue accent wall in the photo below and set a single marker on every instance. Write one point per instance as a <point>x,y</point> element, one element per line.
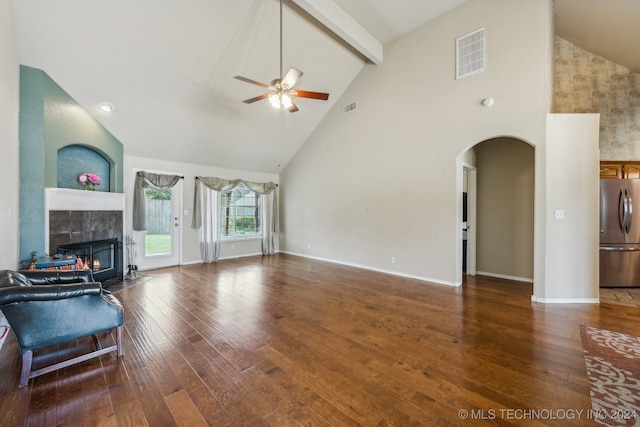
<point>74,160</point>
<point>32,162</point>
<point>50,121</point>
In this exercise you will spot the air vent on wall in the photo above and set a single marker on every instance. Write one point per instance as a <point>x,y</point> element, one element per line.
<point>347,108</point>
<point>471,54</point>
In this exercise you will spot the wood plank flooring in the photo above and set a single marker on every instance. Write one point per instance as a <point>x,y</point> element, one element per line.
<point>288,341</point>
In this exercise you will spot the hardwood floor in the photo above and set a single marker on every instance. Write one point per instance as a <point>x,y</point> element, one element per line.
<point>287,341</point>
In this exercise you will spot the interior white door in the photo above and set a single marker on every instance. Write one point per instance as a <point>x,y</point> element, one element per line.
<point>159,245</point>
<point>471,219</point>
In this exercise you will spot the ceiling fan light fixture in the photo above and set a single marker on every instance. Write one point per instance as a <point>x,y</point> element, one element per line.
<point>286,101</point>
<point>280,100</point>
<point>274,99</point>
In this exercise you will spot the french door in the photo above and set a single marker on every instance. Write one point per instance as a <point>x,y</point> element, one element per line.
<point>159,245</point>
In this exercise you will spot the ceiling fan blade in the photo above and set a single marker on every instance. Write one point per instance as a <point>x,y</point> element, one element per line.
<point>253,82</point>
<point>313,95</point>
<point>292,77</point>
<point>293,107</point>
<point>257,98</point>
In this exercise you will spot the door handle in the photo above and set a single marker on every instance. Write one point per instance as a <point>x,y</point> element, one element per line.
<point>622,210</point>
<point>627,226</point>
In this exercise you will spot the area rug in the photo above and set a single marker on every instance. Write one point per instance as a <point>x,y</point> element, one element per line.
<point>613,368</point>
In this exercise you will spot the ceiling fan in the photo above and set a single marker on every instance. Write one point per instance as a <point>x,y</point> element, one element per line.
<point>281,90</point>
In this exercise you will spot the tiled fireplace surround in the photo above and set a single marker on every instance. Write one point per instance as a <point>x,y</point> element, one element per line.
<point>83,226</point>
<point>74,216</point>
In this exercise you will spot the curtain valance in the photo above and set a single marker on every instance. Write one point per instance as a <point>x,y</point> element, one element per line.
<point>220,184</point>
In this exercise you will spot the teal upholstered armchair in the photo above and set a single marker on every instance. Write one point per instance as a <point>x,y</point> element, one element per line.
<point>53,307</point>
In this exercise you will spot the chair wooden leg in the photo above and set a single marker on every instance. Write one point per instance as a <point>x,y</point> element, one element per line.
<point>27,359</point>
<point>119,341</point>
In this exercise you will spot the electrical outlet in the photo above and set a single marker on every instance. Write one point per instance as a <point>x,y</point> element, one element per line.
<point>393,260</point>
<point>559,214</point>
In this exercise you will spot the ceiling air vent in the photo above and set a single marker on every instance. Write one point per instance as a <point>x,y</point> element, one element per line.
<point>471,54</point>
<point>347,108</point>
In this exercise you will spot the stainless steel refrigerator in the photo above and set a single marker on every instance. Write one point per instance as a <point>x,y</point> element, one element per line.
<point>620,232</point>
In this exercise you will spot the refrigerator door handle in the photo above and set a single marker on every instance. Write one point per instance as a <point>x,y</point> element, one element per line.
<point>627,226</point>
<point>622,210</point>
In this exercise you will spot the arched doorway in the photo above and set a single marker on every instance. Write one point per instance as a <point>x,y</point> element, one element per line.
<point>503,204</point>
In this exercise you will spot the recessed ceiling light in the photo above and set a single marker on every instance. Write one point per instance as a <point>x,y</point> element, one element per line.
<point>107,107</point>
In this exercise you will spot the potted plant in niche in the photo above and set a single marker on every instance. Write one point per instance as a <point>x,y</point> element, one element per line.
<point>89,180</point>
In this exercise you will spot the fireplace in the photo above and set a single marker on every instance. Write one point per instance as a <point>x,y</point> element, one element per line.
<point>88,224</point>
<point>103,257</point>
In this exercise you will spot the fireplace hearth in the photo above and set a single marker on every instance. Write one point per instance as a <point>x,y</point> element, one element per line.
<point>103,257</point>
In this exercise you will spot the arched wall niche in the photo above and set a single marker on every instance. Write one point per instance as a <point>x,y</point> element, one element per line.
<point>76,159</point>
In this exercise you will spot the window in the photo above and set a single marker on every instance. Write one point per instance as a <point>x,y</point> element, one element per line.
<point>240,213</point>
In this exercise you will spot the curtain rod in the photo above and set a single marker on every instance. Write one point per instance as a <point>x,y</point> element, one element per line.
<point>197,177</point>
<point>141,172</point>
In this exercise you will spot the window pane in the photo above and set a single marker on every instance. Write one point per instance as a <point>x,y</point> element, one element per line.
<point>240,213</point>
<point>158,235</point>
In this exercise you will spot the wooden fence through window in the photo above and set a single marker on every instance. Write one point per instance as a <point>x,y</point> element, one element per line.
<point>158,216</point>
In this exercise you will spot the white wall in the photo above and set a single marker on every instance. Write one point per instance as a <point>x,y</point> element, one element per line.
<point>572,263</point>
<point>9,109</point>
<point>190,236</point>
<point>504,226</point>
<point>384,181</point>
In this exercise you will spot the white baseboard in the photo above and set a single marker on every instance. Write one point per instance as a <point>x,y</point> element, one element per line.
<point>565,300</point>
<point>239,256</point>
<point>379,270</point>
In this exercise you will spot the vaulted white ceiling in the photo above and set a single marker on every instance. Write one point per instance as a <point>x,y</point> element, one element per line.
<point>168,67</point>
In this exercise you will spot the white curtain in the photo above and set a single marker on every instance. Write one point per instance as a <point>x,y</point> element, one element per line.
<point>206,213</point>
<point>269,222</point>
<point>210,226</point>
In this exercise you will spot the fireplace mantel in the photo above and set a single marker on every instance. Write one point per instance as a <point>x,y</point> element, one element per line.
<point>82,200</point>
